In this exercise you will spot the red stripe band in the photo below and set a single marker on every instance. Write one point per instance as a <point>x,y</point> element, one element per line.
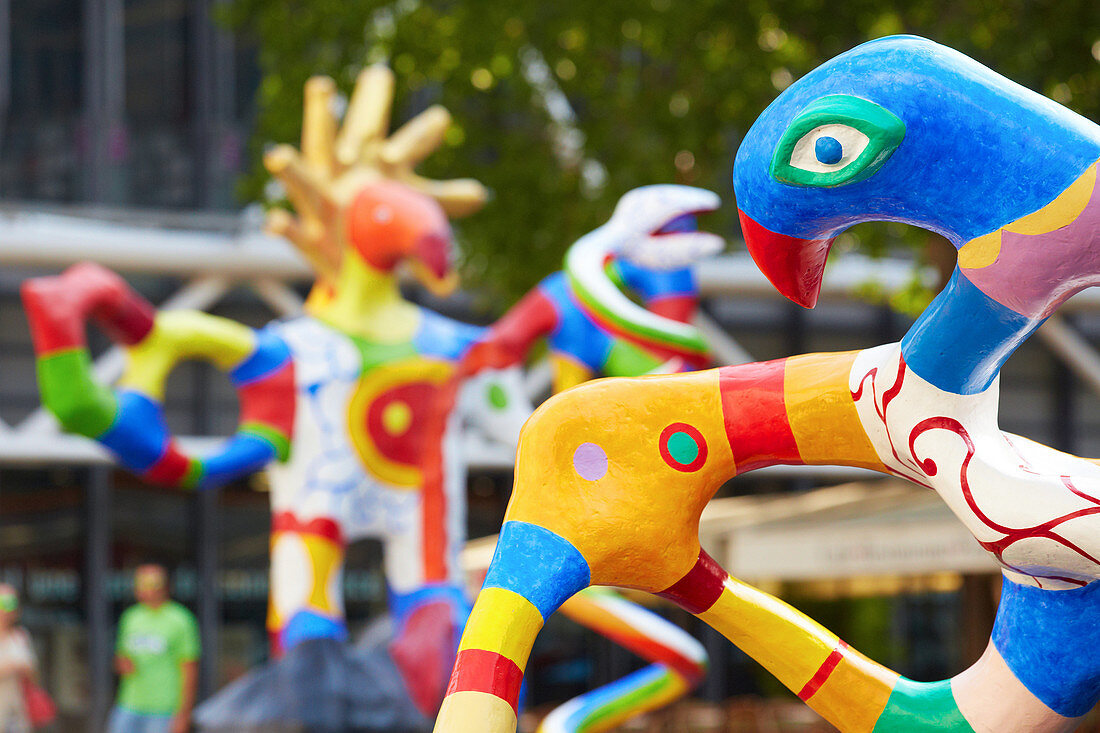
<point>755,413</point>
<point>170,469</point>
<point>319,526</point>
<point>700,587</point>
<point>823,671</point>
<point>477,670</point>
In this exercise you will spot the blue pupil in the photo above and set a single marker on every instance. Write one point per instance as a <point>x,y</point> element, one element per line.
<point>828,150</point>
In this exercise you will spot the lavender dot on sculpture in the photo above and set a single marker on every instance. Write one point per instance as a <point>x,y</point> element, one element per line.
<point>590,461</point>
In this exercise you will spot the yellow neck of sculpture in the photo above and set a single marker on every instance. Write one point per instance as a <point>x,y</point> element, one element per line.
<point>367,303</point>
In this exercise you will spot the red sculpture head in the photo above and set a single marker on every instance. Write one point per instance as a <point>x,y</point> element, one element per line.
<point>389,223</point>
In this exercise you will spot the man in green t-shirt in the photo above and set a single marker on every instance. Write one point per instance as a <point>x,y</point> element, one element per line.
<point>157,658</point>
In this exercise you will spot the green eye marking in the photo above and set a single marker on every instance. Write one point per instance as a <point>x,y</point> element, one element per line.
<point>836,140</point>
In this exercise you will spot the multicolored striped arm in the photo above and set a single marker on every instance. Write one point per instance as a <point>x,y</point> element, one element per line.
<point>129,419</point>
<point>679,663</point>
<point>846,688</point>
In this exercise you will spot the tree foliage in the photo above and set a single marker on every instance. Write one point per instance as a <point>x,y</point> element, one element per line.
<point>662,90</point>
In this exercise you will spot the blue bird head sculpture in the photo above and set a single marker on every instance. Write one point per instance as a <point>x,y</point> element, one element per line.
<point>904,129</point>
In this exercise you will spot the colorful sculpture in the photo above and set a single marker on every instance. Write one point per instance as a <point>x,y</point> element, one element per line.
<point>585,312</point>
<point>611,477</point>
<point>336,405</point>
<point>593,327</point>
<point>352,409</point>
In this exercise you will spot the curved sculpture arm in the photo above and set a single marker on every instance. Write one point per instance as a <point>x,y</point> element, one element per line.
<point>129,419</point>
<point>678,663</point>
<point>653,227</point>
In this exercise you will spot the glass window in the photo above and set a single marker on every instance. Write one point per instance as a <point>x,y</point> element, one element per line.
<point>41,143</point>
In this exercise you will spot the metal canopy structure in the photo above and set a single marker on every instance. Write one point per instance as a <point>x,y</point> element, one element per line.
<point>212,255</point>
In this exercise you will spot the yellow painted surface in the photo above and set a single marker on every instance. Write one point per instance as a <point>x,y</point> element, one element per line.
<point>503,622</point>
<point>179,335</point>
<point>855,694</point>
<point>368,303</point>
<point>821,412</point>
<point>396,417</point>
<point>475,712</point>
<point>789,644</point>
<point>983,251</point>
<point>568,372</point>
<point>327,559</point>
<point>637,525</point>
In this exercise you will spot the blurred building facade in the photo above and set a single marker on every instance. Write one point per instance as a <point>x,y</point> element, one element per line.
<point>138,112</point>
<point>122,102</point>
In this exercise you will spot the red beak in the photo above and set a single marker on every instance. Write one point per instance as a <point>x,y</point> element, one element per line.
<point>794,266</point>
<point>434,251</point>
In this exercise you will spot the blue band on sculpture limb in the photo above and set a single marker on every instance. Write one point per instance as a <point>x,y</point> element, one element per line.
<point>138,435</point>
<point>305,625</point>
<point>440,336</point>
<point>947,344</point>
<point>1047,638</point>
<point>537,564</point>
<point>650,284</point>
<point>589,706</point>
<point>403,604</point>
<point>270,354</point>
<point>241,455</point>
<point>576,334</point>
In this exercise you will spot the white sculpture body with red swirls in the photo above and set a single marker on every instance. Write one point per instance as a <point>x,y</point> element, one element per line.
<point>1034,508</point>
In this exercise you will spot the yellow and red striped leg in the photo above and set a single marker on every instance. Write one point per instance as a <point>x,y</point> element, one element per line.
<point>532,573</point>
<point>846,688</point>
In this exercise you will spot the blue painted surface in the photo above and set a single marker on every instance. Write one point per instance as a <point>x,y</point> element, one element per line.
<point>979,152</point>
<point>1051,642</point>
<point>828,150</point>
<point>239,456</point>
<point>652,284</point>
<point>270,354</point>
<point>139,435</point>
<point>441,337</point>
<point>537,564</point>
<point>576,334</point>
<point>963,338</point>
<point>681,223</point>
<point>306,625</point>
<point>402,605</point>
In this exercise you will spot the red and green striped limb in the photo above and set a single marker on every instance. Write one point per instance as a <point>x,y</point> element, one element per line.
<point>129,419</point>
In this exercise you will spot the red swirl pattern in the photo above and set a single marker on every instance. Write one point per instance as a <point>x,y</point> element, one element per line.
<point>929,468</point>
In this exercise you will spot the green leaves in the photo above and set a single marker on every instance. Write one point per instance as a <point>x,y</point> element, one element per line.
<point>661,92</point>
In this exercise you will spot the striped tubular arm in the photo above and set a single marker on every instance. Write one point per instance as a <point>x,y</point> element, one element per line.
<point>679,663</point>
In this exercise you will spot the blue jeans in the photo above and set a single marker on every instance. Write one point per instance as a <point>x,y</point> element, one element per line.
<point>127,721</point>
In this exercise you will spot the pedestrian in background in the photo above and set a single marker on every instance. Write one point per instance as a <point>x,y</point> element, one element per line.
<point>157,658</point>
<point>17,664</point>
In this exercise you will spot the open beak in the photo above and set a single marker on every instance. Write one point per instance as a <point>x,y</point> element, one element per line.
<point>432,264</point>
<point>794,266</point>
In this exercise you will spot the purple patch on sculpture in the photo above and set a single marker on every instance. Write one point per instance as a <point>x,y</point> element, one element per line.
<point>1033,273</point>
<point>590,461</point>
